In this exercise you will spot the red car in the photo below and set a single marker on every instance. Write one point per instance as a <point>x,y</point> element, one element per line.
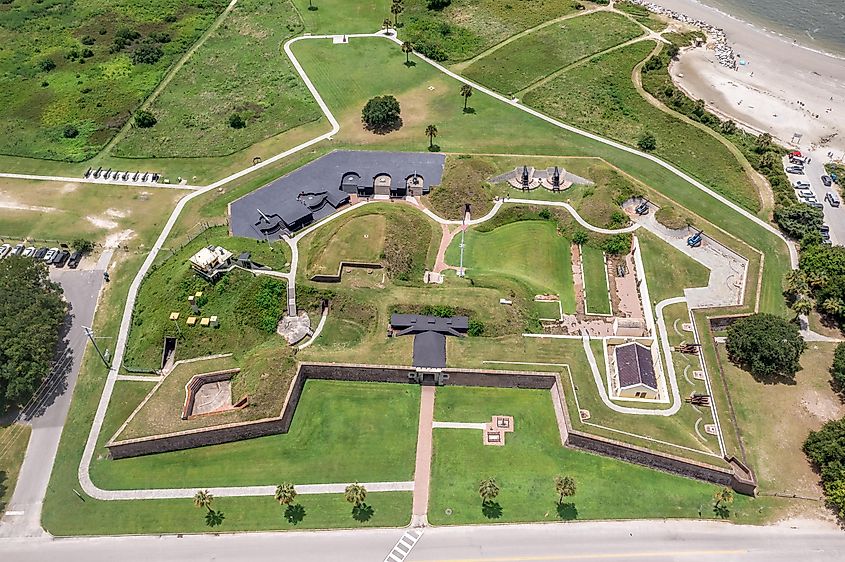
<point>796,154</point>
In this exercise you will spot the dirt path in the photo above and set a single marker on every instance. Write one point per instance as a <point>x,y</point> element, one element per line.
<point>764,190</point>
<point>422,470</point>
<point>440,264</point>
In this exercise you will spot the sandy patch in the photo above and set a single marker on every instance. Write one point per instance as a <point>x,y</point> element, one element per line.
<point>68,188</point>
<point>101,222</point>
<point>114,240</point>
<point>824,408</point>
<point>11,204</point>
<point>117,213</point>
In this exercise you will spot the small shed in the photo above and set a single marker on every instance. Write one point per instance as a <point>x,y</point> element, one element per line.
<point>635,371</point>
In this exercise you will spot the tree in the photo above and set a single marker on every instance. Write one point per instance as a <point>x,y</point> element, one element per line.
<point>647,142</point>
<point>70,132</point>
<point>203,498</point>
<point>466,92</point>
<point>236,121</point>
<point>386,25</point>
<point>580,237</point>
<point>147,54</point>
<point>564,487</point>
<point>802,305</point>
<point>488,489</point>
<point>355,494</point>
<point>766,345</point>
<point>799,220</point>
<point>144,119</point>
<point>728,127</point>
<point>764,142</point>
<point>285,493</point>
<point>381,113</point>
<point>767,160</point>
<point>431,132</point>
<point>82,245</point>
<point>396,9</point>
<point>837,369</point>
<point>722,500</point>
<point>825,448</point>
<point>672,51</point>
<point>407,48</point>
<point>833,306</point>
<point>31,316</point>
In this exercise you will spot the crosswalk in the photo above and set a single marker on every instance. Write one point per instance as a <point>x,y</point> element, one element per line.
<point>404,545</point>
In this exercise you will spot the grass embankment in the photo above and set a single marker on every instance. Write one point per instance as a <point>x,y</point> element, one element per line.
<point>14,440</point>
<point>522,62</point>
<point>74,76</point>
<point>532,456</point>
<point>247,306</point>
<point>343,16</point>
<point>240,69</point>
<point>530,253</point>
<point>359,239</point>
<point>668,272</point>
<point>604,82</point>
<point>595,280</point>
<point>642,15</point>
<point>42,211</point>
<point>672,218</point>
<point>465,182</point>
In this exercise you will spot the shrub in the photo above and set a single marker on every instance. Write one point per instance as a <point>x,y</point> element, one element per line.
<point>476,328</point>
<point>580,237</point>
<point>825,448</point>
<point>82,245</point>
<point>147,54</point>
<point>431,50</point>
<point>617,245</point>
<point>437,4</point>
<point>236,121</point>
<point>799,220</point>
<point>768,346</point>
<point>47,65</point>
<point>88,40</point>
<point>268,304</point>
<point>438,310</point>
<point>545,214</point>
<point>837,369</point>
<point>381,113</point>
<point>145,119</point>
<point>87,53</point>
<point>70,132</point>
<point>647,142</point>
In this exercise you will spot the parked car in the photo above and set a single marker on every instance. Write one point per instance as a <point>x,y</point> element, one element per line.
<point>29,252</point>
<point>50,255</point>
<point>797,160</point>
<point>827,181</point>
<point>832,199</point>
<point>61,258</point>
<point>74,260</point>
<point>815,204</point>
<point>795,154</point>
<point>4,250</point>
<point>40,253</point>
<point>801,184</point>
<point>824,229</point>
<point>797,170</point>
<point>806,194</point>
<point>18,250</point>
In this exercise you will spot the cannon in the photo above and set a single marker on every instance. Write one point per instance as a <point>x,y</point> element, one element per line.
<point>694,241</point>
<point>642,208</point>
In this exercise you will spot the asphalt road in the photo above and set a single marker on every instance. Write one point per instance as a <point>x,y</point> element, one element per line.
<point>834,217</point>
<point>48,414</point>
<point>625,541</point>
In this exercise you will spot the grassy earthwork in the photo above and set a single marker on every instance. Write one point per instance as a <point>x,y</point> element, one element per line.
<point>668,271</point>
<point>595,280</point>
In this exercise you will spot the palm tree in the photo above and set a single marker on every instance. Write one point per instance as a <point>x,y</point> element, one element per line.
<point>355,494</point>
<point>796,282</point>
<point>386,24</point>
<point>722,499</point>
<point>431,132</point>
<point>285,493</point>
<point>407,48</point>
<point>764,141</point>
<point>488,489</point>
<point>816,279</point>
<point>802,305</point>
<point>833,306</point>
<point>203,498</point>
<point>396,9</point>
<point>565,487</point>
<point>466,92</point>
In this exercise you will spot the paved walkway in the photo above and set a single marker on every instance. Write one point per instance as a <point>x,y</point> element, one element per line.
<point>99,181</point>
<point>317,331</point>
<point>422,469</point>
<point>458,425</point>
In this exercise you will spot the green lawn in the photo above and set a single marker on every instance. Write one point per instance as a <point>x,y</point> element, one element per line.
<point>343,16</point>
<point>14,439</point>
<point>526,60</point>
<point>669,271</point>
<point>341,432</point>
<point>241,69</point>
<point>530,253</point>
<point>595,280</point>
<point>599,96</point>
<point>532,456</point>
<point>94,87</point>
<point>358,239</point>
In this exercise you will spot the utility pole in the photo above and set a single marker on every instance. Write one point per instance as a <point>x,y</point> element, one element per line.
<point>90,333</point>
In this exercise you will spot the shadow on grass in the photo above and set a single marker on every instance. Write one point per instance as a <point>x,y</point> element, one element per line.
<point>434,148</point>
<point>362,513</point>
<point>294,514</point>
<point>469,110</point>
<point>214,518</point>
<point>567,511</point>
<point>410,64</point>
<point>491,510</point>
<point>722,511</point>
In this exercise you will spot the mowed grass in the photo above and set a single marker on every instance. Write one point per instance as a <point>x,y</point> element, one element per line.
<point>600,97</point>
<point>526,60</point>
<point>341,432</point>
<point>668,271</point>
<point>91,87</point>
<point>595,280</point>
<point>359,239</point>
<point>533,455</point>
<point>240,69</point>
<point>343,16</point>
<point>528,252</point>
<point>54,211</point>
<point>14,440</point>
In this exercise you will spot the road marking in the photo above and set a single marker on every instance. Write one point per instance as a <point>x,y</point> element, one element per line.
<point>14,513</point>
<point>404,545</point>
<point>597,556</point>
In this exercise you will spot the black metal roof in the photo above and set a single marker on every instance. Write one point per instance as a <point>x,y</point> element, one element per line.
<point>635,366</point>
<point>416,323</point>
<point>430,350</point>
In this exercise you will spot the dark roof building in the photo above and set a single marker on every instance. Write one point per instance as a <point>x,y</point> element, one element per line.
<point>429,336</point>
<point>635,366</point>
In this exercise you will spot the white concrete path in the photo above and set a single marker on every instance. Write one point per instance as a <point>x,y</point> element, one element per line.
<point>578,218</point>
<point>457,425</point>
<point>317,331</point>
<point>98,181</point>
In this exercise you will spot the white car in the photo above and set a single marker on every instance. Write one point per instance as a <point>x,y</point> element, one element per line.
<point>18,250</point>
<point>802,185</point>
<point>29,252</point>
<point>4,250</point>
<point>51,254</point>
<point>806,194</point>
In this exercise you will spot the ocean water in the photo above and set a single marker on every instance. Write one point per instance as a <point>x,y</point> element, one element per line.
<point>818,24</point>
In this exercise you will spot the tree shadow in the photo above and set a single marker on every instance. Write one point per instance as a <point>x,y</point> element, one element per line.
<point>313,8</point>
<point>56,383</point>
<point>722,511</point>
<point>469,110</point>
<point>394,125</point>
<point>567,511</point>
<point>491,510</point>
<point>362,513</point>
<point>294,513</point>
<point>410,64</point>
<point>214,518</point>
<point>434,148</point>
<point>2,489</point>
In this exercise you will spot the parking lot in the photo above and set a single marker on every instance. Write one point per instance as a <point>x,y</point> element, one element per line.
<point>58,255</point>
<point>813,170</point>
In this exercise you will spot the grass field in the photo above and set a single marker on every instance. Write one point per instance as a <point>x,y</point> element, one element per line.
<point>595,280</point>
<point>600,96</point>
<point>642,15</point>
<point>69,107</point>
<point>533,455</point>
<point>51,211</point>
<point>667,270</point>
<point>343,16</point>
<point>526,60</point>
<point>530,253</point>
<point>13,440</point>
<point>359,239</point>
<point>241,69</point>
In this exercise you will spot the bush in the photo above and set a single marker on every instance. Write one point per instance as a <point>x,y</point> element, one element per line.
<point>381,113</point>
<point>617,245</point>
<point>837,369</point>
<point>82,245</point>
<point>431,50</point>
<point>145,119</point>
<point>647,142</point>
<point>437,4</point>
<point>580,237</point>
<point>70,132</point>
<point>236,121</point>
<point>799,220</point>
<point>88,40</point>
<point>147,54</point>
<point>476,328</point>
<point>825,448</point>
<point>47,65</point>
<point>767,346</point>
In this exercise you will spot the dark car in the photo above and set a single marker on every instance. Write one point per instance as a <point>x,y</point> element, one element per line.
<point>61,258</point>
<point>40,253</point>
<point>826,181</point>
<point>74,260</point>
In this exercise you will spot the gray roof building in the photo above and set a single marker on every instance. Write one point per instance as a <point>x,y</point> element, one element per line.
<point>635,366</point>
<point>429,336</point>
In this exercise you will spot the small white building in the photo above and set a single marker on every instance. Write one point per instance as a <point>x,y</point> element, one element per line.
<point>211,261</point>
<point>635,371</point>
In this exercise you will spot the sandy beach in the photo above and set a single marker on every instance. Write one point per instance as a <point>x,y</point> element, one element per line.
<point>783,88</point>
